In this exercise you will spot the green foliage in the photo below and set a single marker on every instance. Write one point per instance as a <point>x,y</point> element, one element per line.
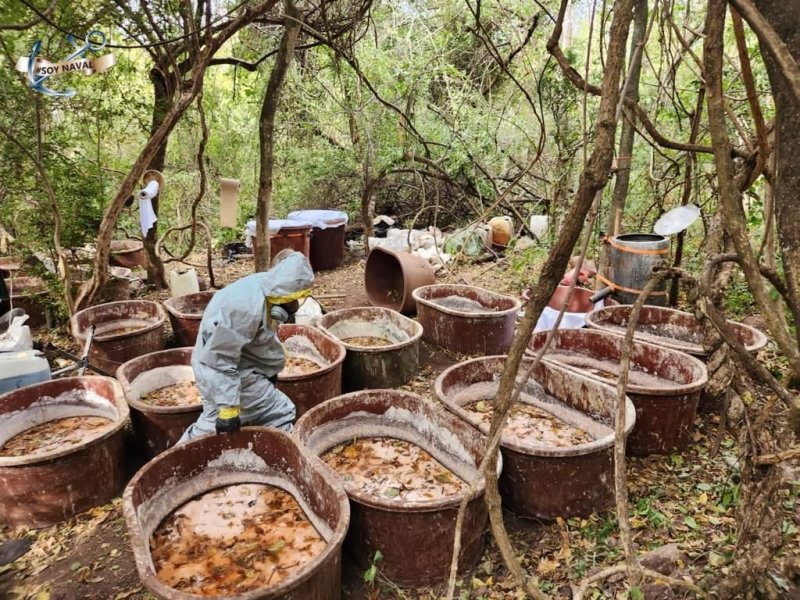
<point>372,572</point>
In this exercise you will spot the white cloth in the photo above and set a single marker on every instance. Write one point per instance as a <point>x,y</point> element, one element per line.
<point>147,216</point>
<point>321,219</point>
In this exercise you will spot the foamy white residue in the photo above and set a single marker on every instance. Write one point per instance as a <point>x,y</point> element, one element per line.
<point>240,459</point>
<point>301,346</point>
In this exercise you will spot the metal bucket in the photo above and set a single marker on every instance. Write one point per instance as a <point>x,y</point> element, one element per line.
<point>415,538</point>
<point>185,313</point>
<point>110,351</point>
<point>306,391</point>
<point>538,480</point>
<point>253,455</point>
<point>39,490</point>
<point>477,322</point>
<point>669,328</point>
<point>664,385</point>
<point>631,258</point>
<point>158,427</point>
<point>375,367</point>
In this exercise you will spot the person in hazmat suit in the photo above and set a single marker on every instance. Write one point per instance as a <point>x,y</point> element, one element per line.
<point>237,356</point>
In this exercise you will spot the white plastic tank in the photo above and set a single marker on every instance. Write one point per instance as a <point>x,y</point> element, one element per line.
<point>183,282</point>
<point>18,369</point>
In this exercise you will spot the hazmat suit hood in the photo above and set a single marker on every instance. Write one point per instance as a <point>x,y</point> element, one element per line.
<point>290,279</point>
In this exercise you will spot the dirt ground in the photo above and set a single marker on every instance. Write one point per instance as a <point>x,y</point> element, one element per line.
<point>681,505</point>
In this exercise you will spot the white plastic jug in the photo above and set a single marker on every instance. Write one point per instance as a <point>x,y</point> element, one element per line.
<point>183,282</point>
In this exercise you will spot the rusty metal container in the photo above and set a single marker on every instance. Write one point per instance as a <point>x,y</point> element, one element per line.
<point>381,366</point>
<point>538,480</point>
<point>29,294</point>
<point>253,455</point>
<point>664,385</point>
<point>466,319</point>
<point>127,253</point>
<point>306,391</point>
<point>158,427</point>
<point>390,278</point>
<point>415,538</point>
<point>185,313</point>
<point>631,258</point>
<point>43,489</point>
<point>669,328</point>
<point>110,350</point>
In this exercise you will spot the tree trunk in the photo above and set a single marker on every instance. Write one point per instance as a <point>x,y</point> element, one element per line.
<point>269,108</point>
<point>628,131</point>
<point>733,216</point>
<point>784,17</point>
<point>163,92</point>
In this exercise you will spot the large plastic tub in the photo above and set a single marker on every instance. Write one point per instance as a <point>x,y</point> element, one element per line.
<point>38,490</point>
<point>390,278</point>
<point>29,294</point>
<point>327,236</point>
<point>414,537</point>
<point>466,319</point>
<point>127,253</point>
<point>386,366</point>
<point>539,480</point>
<point>158,427</point>
<point>669,328</point>
<point>306,391</point>
<point>110,349</point>
<point>185,313</point>
<point>253,455</point>
<point>664,385</point>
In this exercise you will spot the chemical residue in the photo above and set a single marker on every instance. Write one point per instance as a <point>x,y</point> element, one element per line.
<point>120,327</point>
<point>656,332</point>
<point>298,365</point>
<point>392,469</point>
<point>609,370</point>
<point>365,341</point>
<point>461,304</point>
<point>233,540</point>
<point>56,435</point>
<point>184,393</point>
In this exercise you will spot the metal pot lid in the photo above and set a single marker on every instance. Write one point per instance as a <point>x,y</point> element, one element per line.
<point>677,219</point>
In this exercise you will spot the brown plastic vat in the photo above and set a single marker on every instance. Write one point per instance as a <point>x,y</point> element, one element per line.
<point>545,481</point>
<point>10,263</point>
<point>390,278</point>
<point>127,253</point>
<point>415,538</point>
<point>116,289</point>
<point>110,351</point>
<point>664,385</point>
<point>306,391</point>
<point>253,455</point>
<point>375,367</point>
<point>44,489</point>
<point>185,313</point>
<point>158,427</point>
<point>669,328</point>
<point>488,331</point>
<point>292,237</point>
<point>327,245</point>
<point>29,294</point>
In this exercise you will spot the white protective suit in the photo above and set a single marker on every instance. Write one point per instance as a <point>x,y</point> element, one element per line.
<point>238,350</point>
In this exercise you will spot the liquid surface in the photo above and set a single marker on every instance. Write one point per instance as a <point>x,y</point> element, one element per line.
<point>366,341</point>
<point>609,370</point>
<point>527,424</point>
<point>121,327</point>
<point>296,365</point>
<point>461,304</point>
<point>56,435</point>
<point>388,468</point>
<point>184,393</point>
<point>233,540</point>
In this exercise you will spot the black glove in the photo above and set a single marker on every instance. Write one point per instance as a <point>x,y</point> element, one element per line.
<point>228,420</point>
